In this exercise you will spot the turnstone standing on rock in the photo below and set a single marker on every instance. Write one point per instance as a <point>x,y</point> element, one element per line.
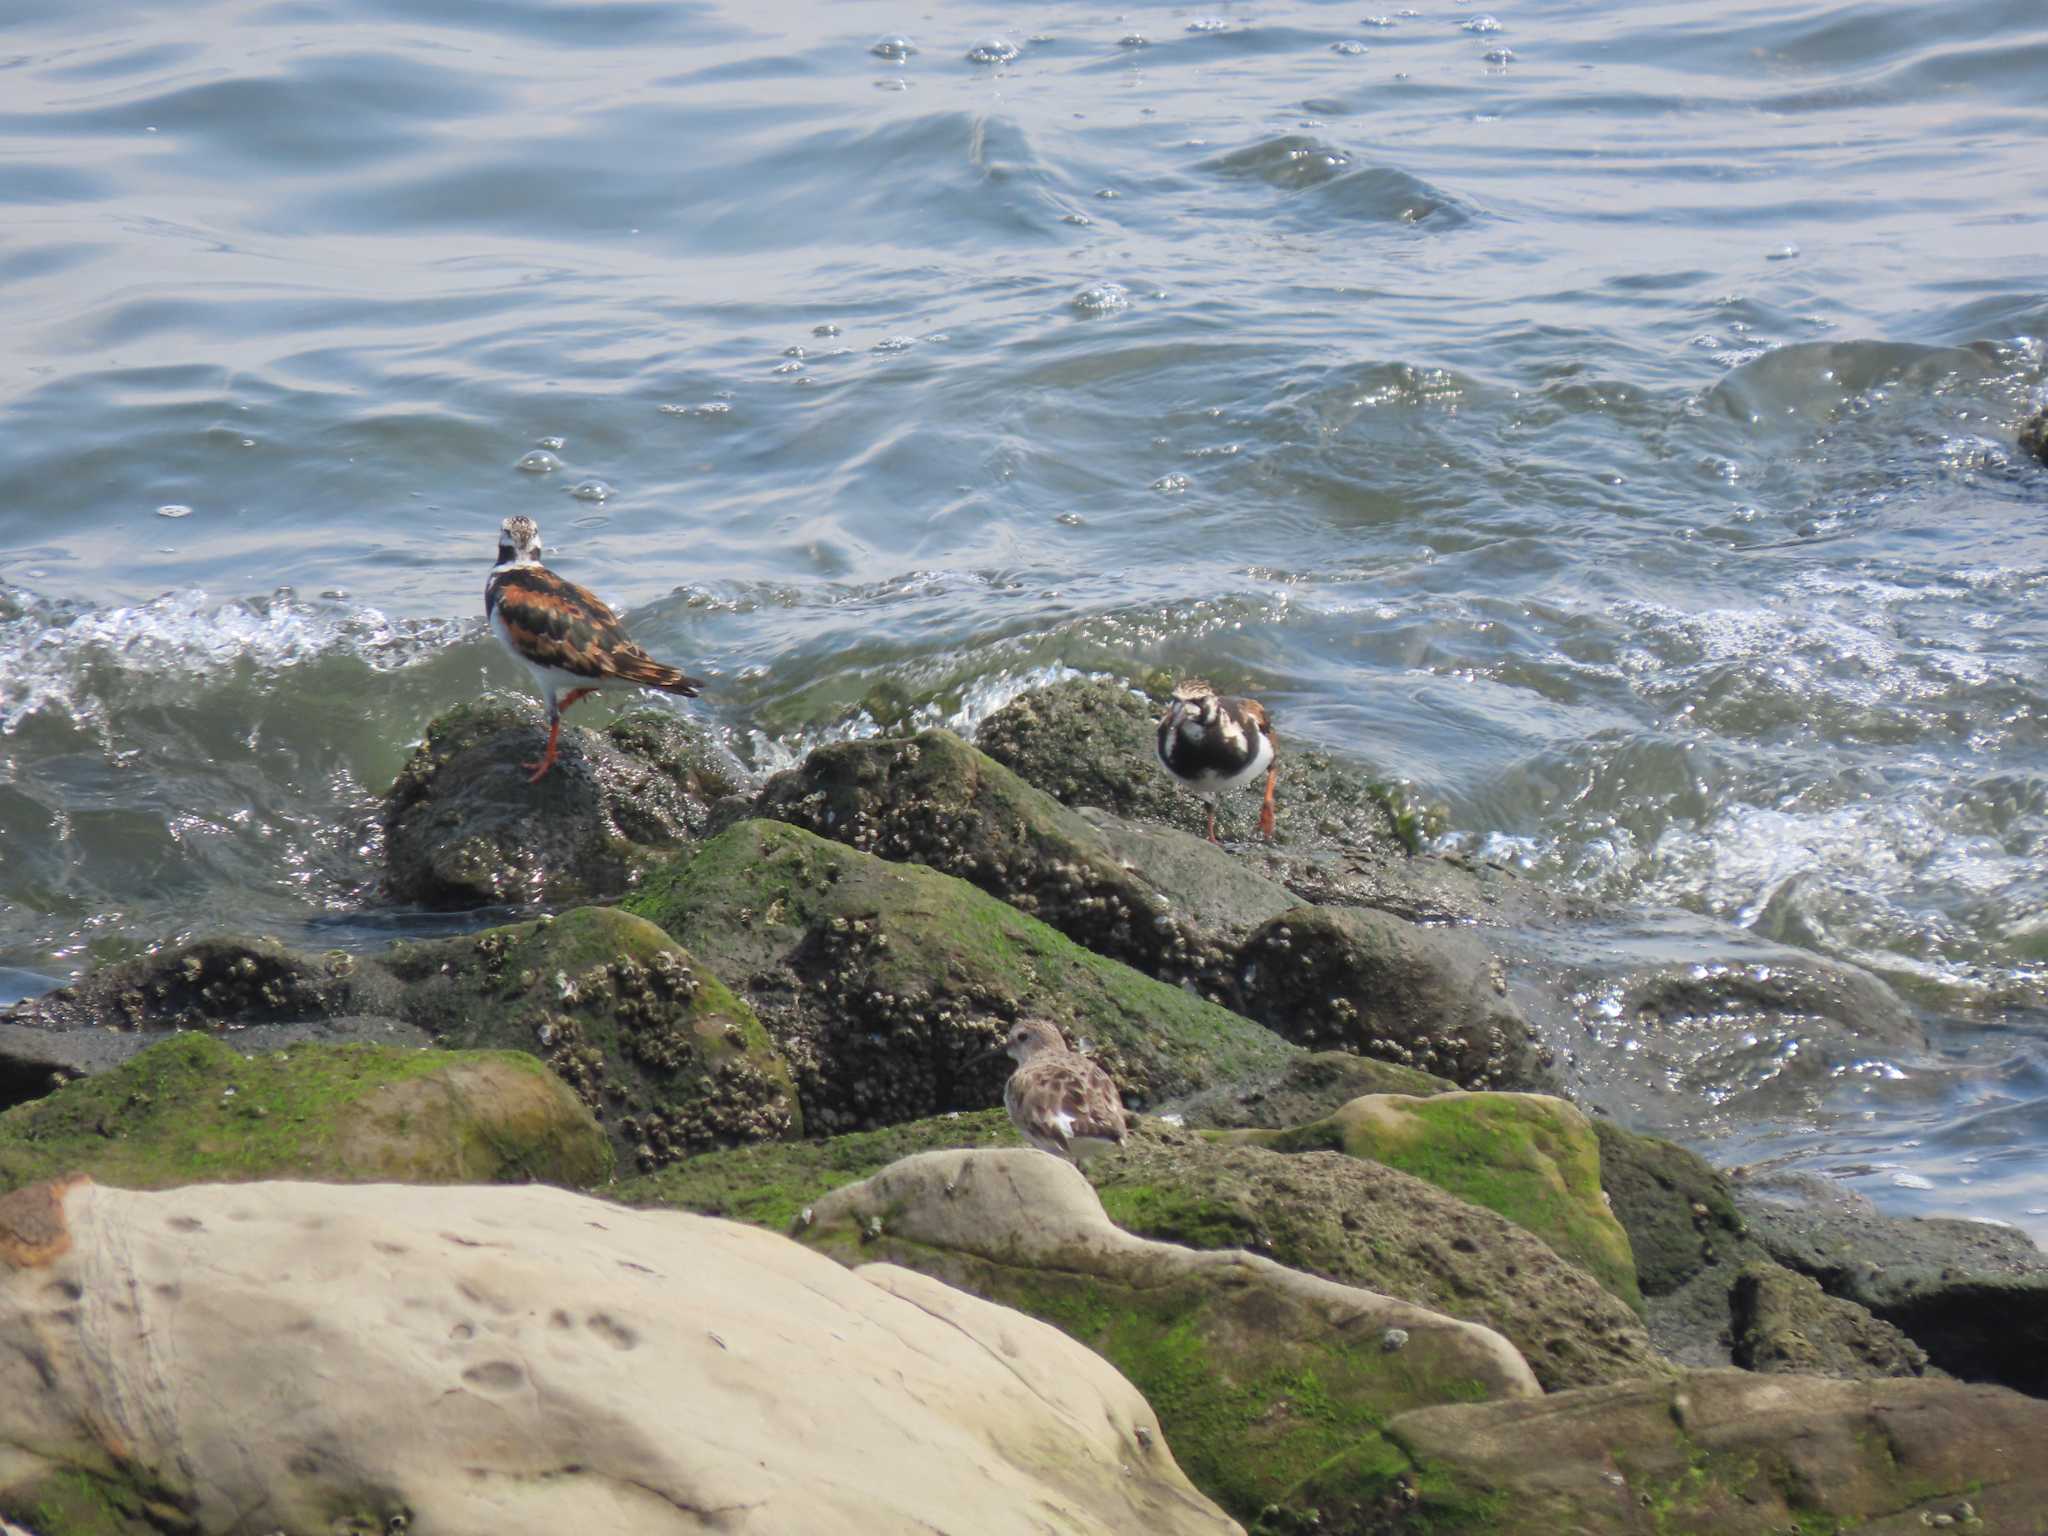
<point>1211,744</point>
<point>1063,1103</point>
<point>565,634</point>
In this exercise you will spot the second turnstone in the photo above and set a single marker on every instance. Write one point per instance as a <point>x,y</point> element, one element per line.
<point>565,634</point>
<point>1210,744</point>
<point>1063,1102</point>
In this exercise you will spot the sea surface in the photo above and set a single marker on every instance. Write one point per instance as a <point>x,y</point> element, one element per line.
<point>1597,415</point>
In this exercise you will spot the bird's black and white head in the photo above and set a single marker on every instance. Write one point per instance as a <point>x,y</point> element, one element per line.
<point>518,542</point>
<point>1029,1037</point>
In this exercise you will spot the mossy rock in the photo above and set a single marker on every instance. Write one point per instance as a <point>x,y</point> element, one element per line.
<point>464,828</point>
<point>1362,1223</point>
<point>885,985</point>
<point>1532,1158</point>
<point>772,1185</point>
<point>1272,1387</point>
<point>193,1110</point>
<point>1677,1210</point>
<point>937,801</point>
<point>663,1053</point>
<point>1785,1322</point>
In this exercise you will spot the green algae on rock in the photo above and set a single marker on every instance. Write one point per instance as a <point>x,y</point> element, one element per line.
<point>1267,1382</point>
<point>771,1184</point>
<point>193,1110</point>
<point>1533,1158</point>
<point>882,983</point>
<point>464,828</point>
<point>666,1057</point>
<point>1361,1223</point>
<point>1366,981</point>
<point>936,800</point>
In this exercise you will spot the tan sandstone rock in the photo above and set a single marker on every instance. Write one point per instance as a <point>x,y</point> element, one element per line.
<point>315,1357</point>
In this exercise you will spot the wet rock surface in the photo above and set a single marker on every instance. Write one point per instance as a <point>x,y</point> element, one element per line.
<point>666,1057</point>
<point>526,1362</point>
<point>1308,1087</point>
<point>885,985</point>
<point>1428,998</point>
<point>1716,1453</point>
<point>464,828</point>
<point>2033,435</point>
<point>191,1109</point>
<point>1313,1368</point>
<point>1972,1295</point>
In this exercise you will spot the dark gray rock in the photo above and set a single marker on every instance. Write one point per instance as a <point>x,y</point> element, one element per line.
<point>464,828</point>
<point>1428,998</point>
<point>1973,1295</point>
<point>1309,1087</point>
<point>1785,1322</point>
<point>2033,435</point>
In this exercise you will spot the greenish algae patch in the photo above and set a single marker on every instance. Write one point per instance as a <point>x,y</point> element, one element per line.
<point>655,1044</point>
<point>1532,1158</point>
<point>194,1110</point>
<point>933,965</point>
<point>1267,1415</point>
<point>771,1185</point>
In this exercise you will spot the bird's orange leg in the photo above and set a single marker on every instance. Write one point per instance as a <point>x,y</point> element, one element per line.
<point>547,758</point>
<point>573,695</point>
<point>1212,821</point>
<point>1266,819</point>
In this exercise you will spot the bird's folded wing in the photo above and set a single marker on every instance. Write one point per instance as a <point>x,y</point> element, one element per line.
<point>1063,1102</point>
<point>555,623</point>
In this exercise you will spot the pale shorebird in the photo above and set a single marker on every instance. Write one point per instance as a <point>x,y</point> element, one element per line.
<point>1211,744</point>
<point>564,633</point>
<point>1061,1100</point>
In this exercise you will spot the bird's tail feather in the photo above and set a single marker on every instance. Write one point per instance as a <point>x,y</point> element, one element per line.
<point>648,673</point>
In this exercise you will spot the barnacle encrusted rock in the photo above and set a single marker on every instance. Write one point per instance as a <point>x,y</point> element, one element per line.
<point>523,1362</point>
<point>886,985</point>
<point>664,1054</point>
<point>1429,998</point>
<point>464,828</point>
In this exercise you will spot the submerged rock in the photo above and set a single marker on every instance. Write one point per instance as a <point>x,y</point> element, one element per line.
<point>666,1057</point>
<point>526,1362</point>
<point>1368,982</point>
<point>1531,1158</point>
<point>2033,435</point>
<point>1727,1453</point>
<point>884,983</point>
<point>1265,1379</point>
<point>191,1110</point>
<point>463,828</point>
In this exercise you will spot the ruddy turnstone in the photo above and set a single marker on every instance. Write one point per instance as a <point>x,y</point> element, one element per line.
<point>565,634</point>
<point>1062,1102</point>
<point>1210,744</point>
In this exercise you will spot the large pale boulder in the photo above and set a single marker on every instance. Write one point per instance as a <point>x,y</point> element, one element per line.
<point>1267,1379</point>
<point>495,1361</point>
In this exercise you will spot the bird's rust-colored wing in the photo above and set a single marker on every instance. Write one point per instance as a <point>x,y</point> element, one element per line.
<point>555,623</point>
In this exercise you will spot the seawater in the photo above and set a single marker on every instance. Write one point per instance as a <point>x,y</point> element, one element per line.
<point>1598,416</point>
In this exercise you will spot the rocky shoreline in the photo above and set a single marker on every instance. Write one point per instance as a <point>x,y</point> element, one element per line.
<point>1366,1265</point>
